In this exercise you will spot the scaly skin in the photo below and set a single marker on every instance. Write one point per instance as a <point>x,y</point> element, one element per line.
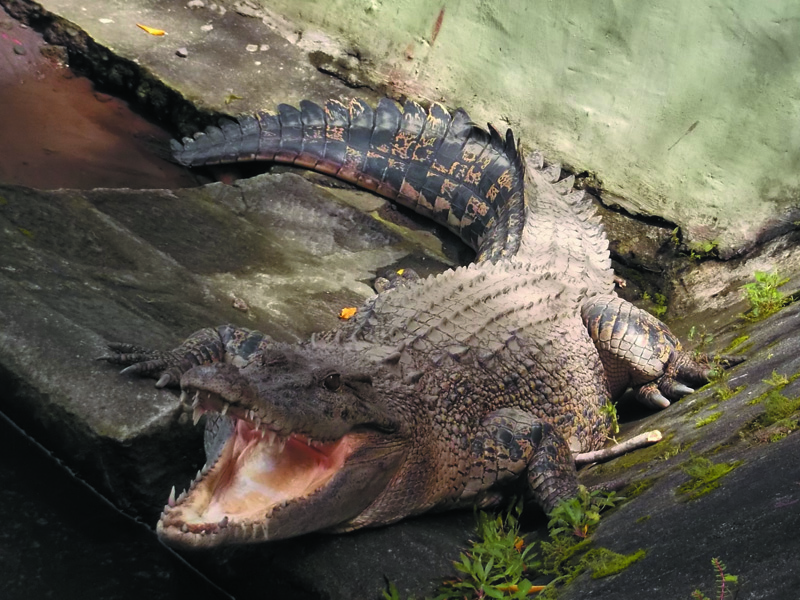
<point>440,392</point>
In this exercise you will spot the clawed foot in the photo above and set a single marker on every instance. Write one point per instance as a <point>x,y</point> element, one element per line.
<point>163,365</point>
<point>683,374</point>
<point>167,366</point>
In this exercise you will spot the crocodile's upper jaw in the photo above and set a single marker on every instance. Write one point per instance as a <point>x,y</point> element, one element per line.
<point>264,486</point>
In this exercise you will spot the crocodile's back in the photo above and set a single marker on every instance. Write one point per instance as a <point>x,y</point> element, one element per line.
<point>441,165</point>
<point>562,233</point>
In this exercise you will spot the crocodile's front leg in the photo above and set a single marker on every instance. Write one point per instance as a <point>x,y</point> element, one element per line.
<point>513,443</point>
<point>639,351</point>
<point>226,343</point>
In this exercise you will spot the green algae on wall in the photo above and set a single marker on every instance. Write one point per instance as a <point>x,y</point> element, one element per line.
<point>684,109</point>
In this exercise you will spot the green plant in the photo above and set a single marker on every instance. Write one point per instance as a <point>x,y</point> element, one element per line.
<point>777,380</point>
<point>494,567</point>
<point>610,409</point>
<point>391,592</point>
<point>660,308</point>
<point>704,339</point>
<point>777,407</point>
<point>660,302</point>
<point>725,582</point>
<point>675,237</point>
<point>763,295</point>
<point>698,250</point>
<point>578,515</point>
<point>725,392</point>
<point>704,476</point>
<point>557,555</point>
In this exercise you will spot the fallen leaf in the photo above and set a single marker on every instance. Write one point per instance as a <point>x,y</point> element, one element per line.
<point>151,30</point>
<point>347,313</point>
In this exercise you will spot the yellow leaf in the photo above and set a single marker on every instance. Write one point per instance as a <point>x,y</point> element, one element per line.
<point>348,312</point>
<point>151,30</point>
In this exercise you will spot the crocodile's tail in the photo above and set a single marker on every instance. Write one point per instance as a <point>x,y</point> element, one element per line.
<point>439,164</point>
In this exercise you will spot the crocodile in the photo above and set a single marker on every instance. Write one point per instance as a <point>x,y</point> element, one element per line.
<point>458,389</point>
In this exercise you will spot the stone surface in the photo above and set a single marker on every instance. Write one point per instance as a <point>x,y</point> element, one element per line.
<point>79,269</point>
<point>150,267</point>
<point>60,538</point>
<point>749,522</point>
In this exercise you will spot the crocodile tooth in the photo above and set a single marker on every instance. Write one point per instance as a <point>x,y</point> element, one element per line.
<point>184,396</point>
<point>224,522</point>
<point>225,407</point>
<point>196,400</point>
<point>281,444</point>
<point>185,528</point>
<point>271,437</point>
<point>257,421</point>
<point>171,501</point>
<point>309,441</point>
<point>198,476</point>
<point>196,414</point>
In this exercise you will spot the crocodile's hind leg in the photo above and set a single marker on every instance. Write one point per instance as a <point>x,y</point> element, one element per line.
<point>639,351</point>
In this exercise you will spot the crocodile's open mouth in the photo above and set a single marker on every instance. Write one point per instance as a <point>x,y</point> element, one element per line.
<point>258,473</point>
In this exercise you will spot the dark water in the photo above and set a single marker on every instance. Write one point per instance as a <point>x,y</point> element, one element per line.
<point>59,132</point>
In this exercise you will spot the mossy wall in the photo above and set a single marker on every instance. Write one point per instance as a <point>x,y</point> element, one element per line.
<point>684,109</point>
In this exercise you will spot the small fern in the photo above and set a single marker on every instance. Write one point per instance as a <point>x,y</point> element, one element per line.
<point>726,583</point>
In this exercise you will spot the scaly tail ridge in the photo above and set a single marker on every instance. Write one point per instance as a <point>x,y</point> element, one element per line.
<point>439,164</point>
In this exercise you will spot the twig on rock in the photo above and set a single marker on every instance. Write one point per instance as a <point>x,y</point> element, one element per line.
<point>640,441</point>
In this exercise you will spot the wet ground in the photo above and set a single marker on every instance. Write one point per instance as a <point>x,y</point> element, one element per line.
<point>60,132</point>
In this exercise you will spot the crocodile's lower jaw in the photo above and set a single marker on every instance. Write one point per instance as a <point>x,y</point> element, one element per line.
<point>256,476</point>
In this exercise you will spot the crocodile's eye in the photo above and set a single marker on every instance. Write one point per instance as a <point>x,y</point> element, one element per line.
<point>332,382</point>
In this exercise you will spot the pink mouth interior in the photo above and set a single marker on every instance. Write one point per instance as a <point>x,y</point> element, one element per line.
<point>255,473</point>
